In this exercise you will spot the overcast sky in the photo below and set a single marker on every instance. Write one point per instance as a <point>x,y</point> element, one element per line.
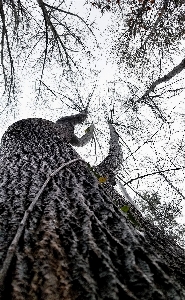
<point>107,79</point>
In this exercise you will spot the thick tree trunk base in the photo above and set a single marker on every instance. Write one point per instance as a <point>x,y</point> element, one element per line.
<point>76,244</point>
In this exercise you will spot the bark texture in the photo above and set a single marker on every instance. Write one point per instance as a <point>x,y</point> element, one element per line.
<point>76,244</point>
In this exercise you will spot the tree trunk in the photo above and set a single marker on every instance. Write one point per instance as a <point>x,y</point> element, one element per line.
<point>75,243</point>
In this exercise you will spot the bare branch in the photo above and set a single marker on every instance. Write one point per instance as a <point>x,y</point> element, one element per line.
<point>3,38</point>
<point>176,70</point>
<point>113,161</point>
<point>53,30</point>
<point>69,13</point>
<point>153,173</point>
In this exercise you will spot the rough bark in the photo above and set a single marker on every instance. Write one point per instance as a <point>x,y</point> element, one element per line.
<point>76,244</point>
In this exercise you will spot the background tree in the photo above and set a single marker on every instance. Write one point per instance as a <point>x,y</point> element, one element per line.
<point>163,215</point>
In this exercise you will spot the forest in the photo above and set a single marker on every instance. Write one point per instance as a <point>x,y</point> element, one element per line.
<point>113,71</point>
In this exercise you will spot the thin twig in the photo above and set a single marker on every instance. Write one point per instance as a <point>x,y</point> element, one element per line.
<point>69,13</point>
<point>153,173</point>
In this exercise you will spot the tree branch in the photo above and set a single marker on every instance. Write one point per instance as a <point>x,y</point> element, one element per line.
<point>176,70</point>
<point>153,173</point>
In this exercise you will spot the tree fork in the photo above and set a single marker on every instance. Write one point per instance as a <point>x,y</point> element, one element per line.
<point>76,244</point>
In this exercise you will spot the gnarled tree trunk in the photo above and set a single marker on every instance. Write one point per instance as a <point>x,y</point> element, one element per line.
<point>74,243</point>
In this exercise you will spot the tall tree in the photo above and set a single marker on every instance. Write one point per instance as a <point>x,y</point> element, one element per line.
<point>55,37</point>
<point>62,236</point>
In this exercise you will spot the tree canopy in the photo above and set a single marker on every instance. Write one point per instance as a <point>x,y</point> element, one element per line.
<point>122,59</point>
